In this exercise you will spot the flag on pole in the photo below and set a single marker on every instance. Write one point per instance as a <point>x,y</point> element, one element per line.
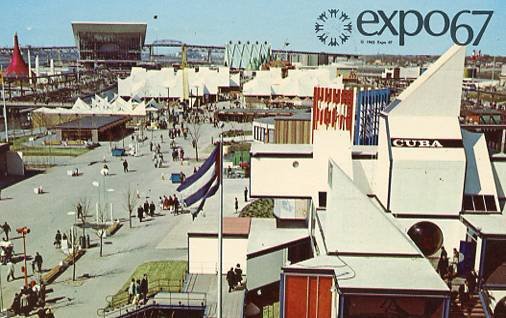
<point>204,183</point>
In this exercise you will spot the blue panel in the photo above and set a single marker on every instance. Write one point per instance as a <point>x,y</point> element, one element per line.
<point>369,105</point>
<point>468,249</point>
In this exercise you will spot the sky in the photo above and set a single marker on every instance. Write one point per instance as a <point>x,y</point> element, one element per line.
<point>48,22</point>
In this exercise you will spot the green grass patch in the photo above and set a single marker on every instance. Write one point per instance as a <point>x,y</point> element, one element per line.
<point>261,208</point>
<point>53,151</point>
<point>236,132</point>
<point>19,144</point>
<point>162,276</point>
<point>271,311</point>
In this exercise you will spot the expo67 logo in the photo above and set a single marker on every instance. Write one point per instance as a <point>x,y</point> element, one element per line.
<point>333,27</point>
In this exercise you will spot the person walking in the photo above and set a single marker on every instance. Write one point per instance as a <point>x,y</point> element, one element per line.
<point>57,239</point>
<point>238,275</point>
<point>79,209</point>
<point>137,296</point>
<point>455,261</point>
<point>7,229</point>
<point>146,207</point>
<point>140,213</point>
<point>125,166</point>
<point>144,287</point>
<point>10,273</point>
<point>175,202</point>
<point>152,209</point>
<point>236,205</point>
<point>245,194</point>
<point>37,261</point>
<point>472,280</point>
<point>231,279</point>
<point>131,291</point>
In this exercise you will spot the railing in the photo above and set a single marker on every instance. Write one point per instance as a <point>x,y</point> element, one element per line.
<point>485,303</point>
<point>161,285</point>
<point>167,300</point>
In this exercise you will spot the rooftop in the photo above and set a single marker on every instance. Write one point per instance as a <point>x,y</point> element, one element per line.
<point>232,226</point>
<point>265,236</point>
<point>91,122</point>
<point>393,273</point>
<point>486,224</point>
<point>355,225</point>
<point>390,273</point>
<point>281,149</point>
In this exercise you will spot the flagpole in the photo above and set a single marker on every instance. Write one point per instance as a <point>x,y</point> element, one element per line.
<point>220,234</point>
<point>5,110</point>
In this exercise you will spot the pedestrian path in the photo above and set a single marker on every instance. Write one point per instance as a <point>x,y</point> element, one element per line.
<point>232,302</point>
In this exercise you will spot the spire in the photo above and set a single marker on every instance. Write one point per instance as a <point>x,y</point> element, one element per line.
<point>437,92</point>
<point>17,67</point>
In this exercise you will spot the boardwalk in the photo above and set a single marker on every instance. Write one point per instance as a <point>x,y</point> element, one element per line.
<point>232,302</point>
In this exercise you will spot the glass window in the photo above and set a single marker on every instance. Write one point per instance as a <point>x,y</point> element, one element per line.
<point>322,199</point>
<point>490,203</point>
<point>468,203</point>
<point>479,204</point>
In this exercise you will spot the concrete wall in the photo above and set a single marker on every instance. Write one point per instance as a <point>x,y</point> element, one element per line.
<point>94,135</point>
<point>15,165</point>
<point>427,187</point>
<point>382,170</point>
<point>265,269</point>
<point>363,175</point>
<point>499,170</point>
<point>203,254</point>
<point>279,177</point>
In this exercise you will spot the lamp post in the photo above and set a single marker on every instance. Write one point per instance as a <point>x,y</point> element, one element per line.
<point>110,203</point>
<point>24,231</point>
<point>1,291</point>
<point>96,184</point>
<point>73,235</point>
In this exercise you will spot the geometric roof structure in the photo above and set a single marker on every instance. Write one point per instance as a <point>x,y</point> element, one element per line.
<point>109,27</point>
<point>437,92</point>
<point>17,67</point>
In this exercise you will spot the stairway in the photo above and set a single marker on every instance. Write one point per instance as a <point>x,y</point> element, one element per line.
<point>474,308</point>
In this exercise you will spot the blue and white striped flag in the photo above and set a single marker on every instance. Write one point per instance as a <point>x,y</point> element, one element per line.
<point>204,183</point>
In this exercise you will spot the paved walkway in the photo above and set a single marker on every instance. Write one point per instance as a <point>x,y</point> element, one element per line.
<point>163,237</point>
<point>232,302</point>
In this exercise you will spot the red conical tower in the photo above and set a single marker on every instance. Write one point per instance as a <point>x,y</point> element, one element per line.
<point>17,68</point>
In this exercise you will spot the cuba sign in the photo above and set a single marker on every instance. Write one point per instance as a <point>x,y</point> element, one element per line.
<point>426,143</point>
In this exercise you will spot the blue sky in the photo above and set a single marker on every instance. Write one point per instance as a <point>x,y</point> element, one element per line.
<point>217,22</point>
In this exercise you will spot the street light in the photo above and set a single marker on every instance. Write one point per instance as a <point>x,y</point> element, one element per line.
<point>96,184</point>
<point>24,231</point>
<point>73,235</point>
<point>110,190</point>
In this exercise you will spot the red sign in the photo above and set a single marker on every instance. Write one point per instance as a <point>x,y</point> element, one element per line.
<point>337,112</point>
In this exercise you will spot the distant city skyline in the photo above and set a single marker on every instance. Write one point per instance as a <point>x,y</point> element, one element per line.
<point>48,23</point>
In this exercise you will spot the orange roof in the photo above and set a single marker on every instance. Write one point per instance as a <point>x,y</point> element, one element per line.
<point>236,226</point>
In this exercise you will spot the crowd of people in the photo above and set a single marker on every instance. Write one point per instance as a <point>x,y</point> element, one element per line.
<point>448,270</point>
<point>147,209</point>
<point>30,298</point>
<point>170,203</point>
<point>138,290</point>
<point>234,277</point>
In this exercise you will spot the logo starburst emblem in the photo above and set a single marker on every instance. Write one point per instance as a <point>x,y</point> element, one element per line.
<point>333,27</point>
